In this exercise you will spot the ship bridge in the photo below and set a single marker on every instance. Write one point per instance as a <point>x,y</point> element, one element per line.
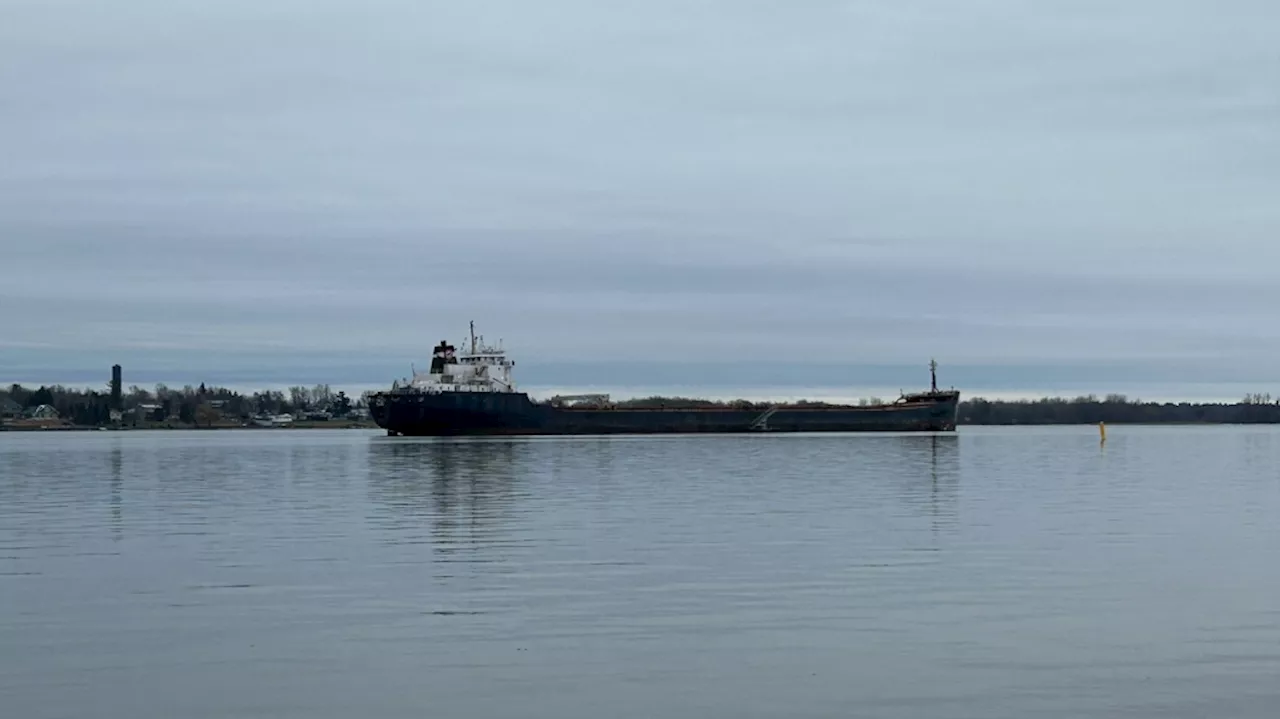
<point>483,368</point>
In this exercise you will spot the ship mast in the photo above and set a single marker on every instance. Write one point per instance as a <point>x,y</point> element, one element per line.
<point>473,336</point>
<point>933,375</point>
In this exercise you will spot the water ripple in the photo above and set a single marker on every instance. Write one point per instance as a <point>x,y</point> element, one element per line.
<point>992,573</point>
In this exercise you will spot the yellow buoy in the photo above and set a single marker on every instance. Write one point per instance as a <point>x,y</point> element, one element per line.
<point>1102,431</point>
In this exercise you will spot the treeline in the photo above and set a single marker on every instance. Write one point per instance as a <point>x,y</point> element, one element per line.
<point>201,406</point>
<point>1089,409</point>
<point>79,406</point>
<point>1253,409</point>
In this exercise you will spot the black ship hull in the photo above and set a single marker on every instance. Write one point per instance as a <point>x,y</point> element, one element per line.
<point>413,413</point>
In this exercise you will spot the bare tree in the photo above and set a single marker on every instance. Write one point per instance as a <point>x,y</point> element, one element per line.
<point>299,397</point>
<point>321,396</point>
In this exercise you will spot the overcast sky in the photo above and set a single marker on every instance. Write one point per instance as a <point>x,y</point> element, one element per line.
<point>1036,193</point>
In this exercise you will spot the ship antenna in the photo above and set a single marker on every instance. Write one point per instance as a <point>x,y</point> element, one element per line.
<point>933,375</point>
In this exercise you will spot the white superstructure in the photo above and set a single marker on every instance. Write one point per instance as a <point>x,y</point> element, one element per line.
<point>484,368</point>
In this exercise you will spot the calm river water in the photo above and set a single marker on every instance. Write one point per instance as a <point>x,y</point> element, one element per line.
<point>333,574</point>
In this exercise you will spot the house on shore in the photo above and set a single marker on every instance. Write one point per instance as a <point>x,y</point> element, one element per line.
<point>9,409</point>
<point>44,411</point>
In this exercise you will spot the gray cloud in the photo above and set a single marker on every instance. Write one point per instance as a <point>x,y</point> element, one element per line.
<point>1057,183</point>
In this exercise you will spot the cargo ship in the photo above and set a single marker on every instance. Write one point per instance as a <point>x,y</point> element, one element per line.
<point>473,393</point>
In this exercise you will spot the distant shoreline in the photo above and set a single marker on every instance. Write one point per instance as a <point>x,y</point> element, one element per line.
<point>56,408</point>
<point>368,426</point>
<point>51,427</point>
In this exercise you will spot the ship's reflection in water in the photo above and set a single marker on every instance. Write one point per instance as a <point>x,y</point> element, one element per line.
<point>929,475</point>
<point>455,494</point>
<point>493,500</point>
<point>115,464</point>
